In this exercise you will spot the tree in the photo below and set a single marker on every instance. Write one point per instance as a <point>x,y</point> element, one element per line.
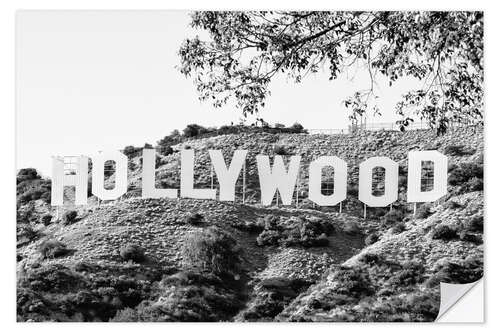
<point>245,50</point>
<point>193,130</point>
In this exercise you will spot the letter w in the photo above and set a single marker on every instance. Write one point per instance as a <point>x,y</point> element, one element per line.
<point>277,178</point>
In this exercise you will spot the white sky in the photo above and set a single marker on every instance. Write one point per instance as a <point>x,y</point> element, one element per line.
<point>97,80</point>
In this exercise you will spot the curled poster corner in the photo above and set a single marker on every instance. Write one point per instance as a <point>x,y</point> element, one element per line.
<point>451,294</point>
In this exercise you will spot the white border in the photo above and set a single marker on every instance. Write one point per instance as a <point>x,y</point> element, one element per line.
<point>7,164</point>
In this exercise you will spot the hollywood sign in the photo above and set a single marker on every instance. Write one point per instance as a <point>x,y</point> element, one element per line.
<point>272,178</point>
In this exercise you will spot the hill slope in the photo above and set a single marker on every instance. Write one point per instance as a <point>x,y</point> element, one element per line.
<point>292,263</point>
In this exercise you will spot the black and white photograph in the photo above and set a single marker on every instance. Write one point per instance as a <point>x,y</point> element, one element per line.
<point>248,166</point>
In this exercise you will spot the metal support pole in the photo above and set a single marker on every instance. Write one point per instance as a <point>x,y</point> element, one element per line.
<point>414,209</point>
<point>297,198</point>
<point>340,207</point>
<point>390,208</point>
<point>244,178</point>
<point>212,177</point>
<point>277,194</point>
<point>297,188</point>
<point>364,211</point>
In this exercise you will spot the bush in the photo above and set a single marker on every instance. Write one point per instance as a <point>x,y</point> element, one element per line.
<point>211,250</point>
<point>56,292</point>
<point>188,296</point>
<point>166,150</point>
<point>351,227</point>
<point>371,259</point>
<point>193,130</point>
<point>452,205</point>
<point>273,295</point>
<point>352,190</point>
<point>30,187</point>
<point>469,237</point>
<point>444,232</point>
<point>456,150</point>
<point>52,249</point>
<point>280,150</point>
<point>27,174</point>
<point>269,237</point>
<point>69,217</point>
<point>307,232</point>
<point>194,219</point>
<point>311,232</point>
<point>131,151</point>
<point>353,282</point>
<point>46,219</point>
<point>475,184</point>
<point>26,234</point>
<point>39,191</point>
<point>392,217</point>
<point>132,252</point>
<point>468,176</point>
<point>371,239</point>
<point>474,224</point>
<point>297,128</point>
<point>411,273</point>
<point>270,221</point>
<point>423,212</point>
<point>458,271</point>
<point>415,306</point>
<point>398,228</point>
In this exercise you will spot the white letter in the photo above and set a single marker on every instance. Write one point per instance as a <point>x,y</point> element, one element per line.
<point>278,178</point>
<point>148,178</point>
<point>391,182</point>
<point>120,188</point>
<point>78,180</point>
<point>227,176</point>
<point>187,175</point>
<point>339,179</point>
<point>439,189</point>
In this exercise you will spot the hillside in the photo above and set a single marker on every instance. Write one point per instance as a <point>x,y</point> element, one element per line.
<point>200,260</point>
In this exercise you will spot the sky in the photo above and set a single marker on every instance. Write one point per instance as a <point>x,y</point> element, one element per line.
<point>88,81</point>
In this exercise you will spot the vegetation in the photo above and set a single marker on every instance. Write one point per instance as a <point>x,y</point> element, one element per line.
<point>187,296</point>
<point>307,232</point>
<point>46,219</point>
<point>272,297</point>
<point>456,150</point>
<point>52,248</point>
<point>458,271</point>
<point>371,239</point>
<point>444,232</point>
<point>194,219</point>
<point>244,51</point>
<point>133,252</point>
<point>212,284</point>
<point>423,211</point>
<point>69,217</point>
<point>451,204</point>
<point>398,228</point>
<point>211,250</point>
<point>467,177</point>
<point>195,131</point>
<point>25,234</point>
<point>474,223</point>
<point>392,217</point>
<point>280,150</point>
<point>85,292</point>
<point>31,187</point>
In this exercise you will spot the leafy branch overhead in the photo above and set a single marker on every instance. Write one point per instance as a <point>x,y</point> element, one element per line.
<point>243,51</point>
